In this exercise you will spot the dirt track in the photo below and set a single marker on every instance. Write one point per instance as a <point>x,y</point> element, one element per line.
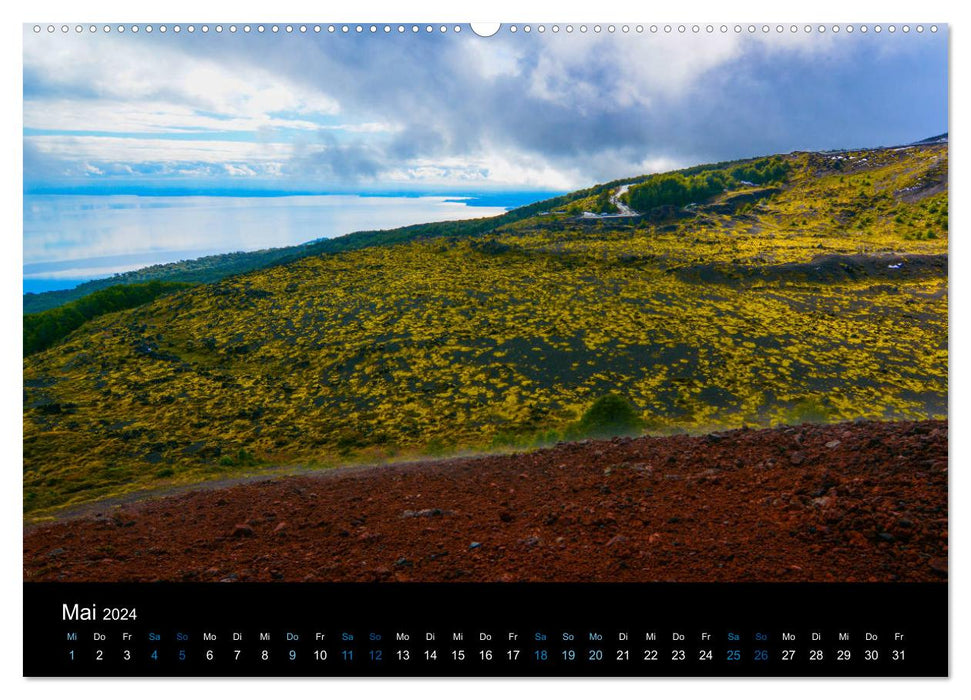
<point>851,502</point>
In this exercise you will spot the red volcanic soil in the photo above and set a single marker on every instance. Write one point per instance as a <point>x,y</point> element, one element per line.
<point>850,502</point>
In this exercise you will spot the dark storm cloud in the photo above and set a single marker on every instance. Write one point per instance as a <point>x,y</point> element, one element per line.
<point>334,161</point>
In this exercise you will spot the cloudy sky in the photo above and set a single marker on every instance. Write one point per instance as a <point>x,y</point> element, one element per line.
<point>432,112</point>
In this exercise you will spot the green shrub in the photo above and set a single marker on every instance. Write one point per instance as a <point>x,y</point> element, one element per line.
<point>243,458</point>
<point>603,205</point>
<point>763,171</point>
<point>810,409</point>
<point>676,189</point>
<point>609,416</point>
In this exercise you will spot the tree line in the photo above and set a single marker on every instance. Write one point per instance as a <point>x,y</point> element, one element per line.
<point>47,328</point>
<point>680,189</point>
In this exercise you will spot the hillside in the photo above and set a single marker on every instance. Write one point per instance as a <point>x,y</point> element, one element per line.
<point>822,296</point>
<point>212,268</point>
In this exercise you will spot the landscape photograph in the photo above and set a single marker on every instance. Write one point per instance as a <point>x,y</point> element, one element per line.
<point>403,303</point>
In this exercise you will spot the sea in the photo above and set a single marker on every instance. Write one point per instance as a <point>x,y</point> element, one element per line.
<point>72,238</point>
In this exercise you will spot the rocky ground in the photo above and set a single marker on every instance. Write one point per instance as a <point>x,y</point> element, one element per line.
<point>849,502</point>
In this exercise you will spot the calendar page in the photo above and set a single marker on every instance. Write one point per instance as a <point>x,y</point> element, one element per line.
<point>547,349</point>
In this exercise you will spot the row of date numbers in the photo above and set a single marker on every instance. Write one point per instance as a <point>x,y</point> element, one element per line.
<point>511,655</point>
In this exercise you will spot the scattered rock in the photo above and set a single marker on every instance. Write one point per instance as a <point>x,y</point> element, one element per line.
<point>243,530</point>
<point>424,513</point>
<point>797,458</point>
<point>824,501</point>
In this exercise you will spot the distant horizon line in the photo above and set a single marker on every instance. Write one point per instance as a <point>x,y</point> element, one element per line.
<point>176,191</point>
<point>264,188</point>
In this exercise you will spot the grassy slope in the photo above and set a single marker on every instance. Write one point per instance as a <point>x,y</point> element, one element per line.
<point>470,341</point>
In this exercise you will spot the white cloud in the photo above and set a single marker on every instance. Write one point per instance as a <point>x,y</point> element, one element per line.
<point>491,59</point>
<point>364,128</point>
<point>490,169</point>
<point>126,116</point>
<point>113,84</point>
<point>113,149</point>
<point>239,170</point>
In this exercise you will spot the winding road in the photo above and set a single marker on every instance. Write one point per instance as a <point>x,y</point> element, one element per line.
<point>622,209</point>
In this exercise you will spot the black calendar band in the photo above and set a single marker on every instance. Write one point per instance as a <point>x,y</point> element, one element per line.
<point>651,629</point>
